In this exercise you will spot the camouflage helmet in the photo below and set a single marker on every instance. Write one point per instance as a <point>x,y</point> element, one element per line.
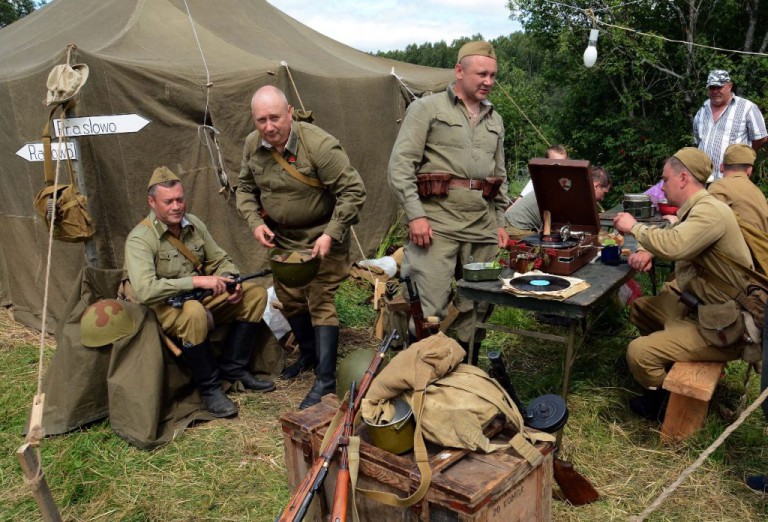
<point>353,367</point>
<point>104,322</point>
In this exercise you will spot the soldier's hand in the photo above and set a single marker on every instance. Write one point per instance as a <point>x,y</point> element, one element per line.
<point>216,284</point>
<point>264,235</point>
<point>421,232</point>
<point>322,246</point>
<point>502,236</point>
<point>236,296</point>
<point>671,218</point>
<point>623,222</point>
<point>641,261</point>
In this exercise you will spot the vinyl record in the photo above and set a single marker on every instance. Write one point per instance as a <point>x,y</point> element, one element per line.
<point>540,283</point>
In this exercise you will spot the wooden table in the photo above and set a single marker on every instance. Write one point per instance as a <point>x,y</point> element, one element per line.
<point>606,218</point>
<point>604,280</point>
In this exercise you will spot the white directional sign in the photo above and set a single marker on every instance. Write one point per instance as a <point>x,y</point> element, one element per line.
<point>97,125</point>
<point>34,151</point>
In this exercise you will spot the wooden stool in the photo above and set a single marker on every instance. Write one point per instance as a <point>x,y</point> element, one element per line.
<point>691,385</point>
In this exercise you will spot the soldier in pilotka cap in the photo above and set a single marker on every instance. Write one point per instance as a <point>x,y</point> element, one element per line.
<point>447,172</point>
<point>171,252</point>
<point>706,228</point>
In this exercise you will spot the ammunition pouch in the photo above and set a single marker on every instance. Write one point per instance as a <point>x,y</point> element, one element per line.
<point>492,187</point>
<point>433,184</point>
<point>721,325</point>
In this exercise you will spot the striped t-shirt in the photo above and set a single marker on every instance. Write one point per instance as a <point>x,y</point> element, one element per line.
<point>741,122</point>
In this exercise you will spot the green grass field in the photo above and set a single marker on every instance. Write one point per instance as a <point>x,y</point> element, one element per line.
<point>234,469</point>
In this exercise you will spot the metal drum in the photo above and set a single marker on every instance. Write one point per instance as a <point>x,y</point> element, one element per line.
<point>639,205</point>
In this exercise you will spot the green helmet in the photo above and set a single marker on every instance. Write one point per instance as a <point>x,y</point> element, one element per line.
<point>353,367</point>
<point>395,436</point>
<point>293,269</point>
<point>104,322</point>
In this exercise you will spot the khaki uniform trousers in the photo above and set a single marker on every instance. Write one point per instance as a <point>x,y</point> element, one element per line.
<point>318,297</point>
<point>517,233</point>
<point>433,270</point>
<point>669,334</point>
<point>190,322</point>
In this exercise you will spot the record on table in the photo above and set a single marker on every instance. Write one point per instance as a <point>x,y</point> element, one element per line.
<point>540,283</point>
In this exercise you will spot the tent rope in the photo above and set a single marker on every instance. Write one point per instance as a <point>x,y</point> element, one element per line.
<point>293,84</point>
<point>362,254</point>
<point>506,93</point>
<point>400,79</point>
<point>693,467</point>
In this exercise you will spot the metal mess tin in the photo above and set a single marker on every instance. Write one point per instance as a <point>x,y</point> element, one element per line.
<point>474,272</point>
<point>639,205</point>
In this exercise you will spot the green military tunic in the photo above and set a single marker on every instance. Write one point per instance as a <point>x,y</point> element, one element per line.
<point>302,213</point>
<point>745,199</point>
<point>668,332</point>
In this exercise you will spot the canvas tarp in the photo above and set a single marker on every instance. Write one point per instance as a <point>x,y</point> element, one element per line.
<point>144,59</point>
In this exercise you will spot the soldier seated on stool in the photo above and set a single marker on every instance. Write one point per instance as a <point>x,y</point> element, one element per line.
<point>171,252</point>
<point>706,229</point>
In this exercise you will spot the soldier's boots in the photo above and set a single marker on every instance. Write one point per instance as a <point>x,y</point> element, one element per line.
<point>652,405</point>
<point>301,325</point>
<point>475,352</point>
<point>327,344</point>
<point>236,355</point>
<point>205,375</point>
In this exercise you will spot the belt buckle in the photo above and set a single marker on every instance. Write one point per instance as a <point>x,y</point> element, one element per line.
<point>471,184</point>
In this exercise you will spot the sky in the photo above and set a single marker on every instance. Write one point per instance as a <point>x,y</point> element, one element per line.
<point>387,25</point>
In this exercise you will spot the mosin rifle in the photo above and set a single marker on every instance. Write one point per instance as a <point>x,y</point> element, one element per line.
<point>299,504</point>
<point>341,493</point>
<point>198,294</point>
<point>549,414</point>
<point>423,327</point>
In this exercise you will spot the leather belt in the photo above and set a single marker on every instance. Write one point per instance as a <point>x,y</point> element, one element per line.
<point>471,184</point>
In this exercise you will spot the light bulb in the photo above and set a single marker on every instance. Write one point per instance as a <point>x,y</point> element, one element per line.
<point>590,54</point>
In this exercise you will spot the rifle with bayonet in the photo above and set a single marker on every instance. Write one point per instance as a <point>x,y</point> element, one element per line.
<point>423,327</point>
<point>547,413</point>
<point>341,493</point>
<point>198,294</point>
<point>299,504</point>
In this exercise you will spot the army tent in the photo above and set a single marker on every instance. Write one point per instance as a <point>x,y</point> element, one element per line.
<point>144,59</point>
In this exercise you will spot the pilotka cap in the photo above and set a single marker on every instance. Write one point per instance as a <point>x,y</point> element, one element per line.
<point>739,154</point>
<point>478,48</point>
<point>696,161</point>
<point>161,175</point>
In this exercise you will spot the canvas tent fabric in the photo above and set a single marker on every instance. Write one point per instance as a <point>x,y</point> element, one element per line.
<point>143,59</point>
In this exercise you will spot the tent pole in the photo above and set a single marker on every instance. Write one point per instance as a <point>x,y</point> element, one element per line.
<point>33,475</point>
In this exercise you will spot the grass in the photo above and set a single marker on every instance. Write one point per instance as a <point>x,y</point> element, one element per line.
<point>233,470</point>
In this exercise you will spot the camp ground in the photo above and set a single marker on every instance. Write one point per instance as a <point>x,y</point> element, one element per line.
<point>169,83</point>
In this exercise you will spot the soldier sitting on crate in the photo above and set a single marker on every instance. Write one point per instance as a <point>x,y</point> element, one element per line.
<point>524,218</point>
<point>669,332</point>
<point>171,252</point>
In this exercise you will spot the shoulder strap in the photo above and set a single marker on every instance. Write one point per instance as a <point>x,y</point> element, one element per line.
<point>180,247</point>
<point>290,169</point>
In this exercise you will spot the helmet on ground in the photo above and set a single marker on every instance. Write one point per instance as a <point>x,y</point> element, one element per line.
<point>395,436</point>
<point>293,268</point>
<point>104,322</point>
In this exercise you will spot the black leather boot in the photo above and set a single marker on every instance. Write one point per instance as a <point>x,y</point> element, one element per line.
<point>301,326</point>
<point>205,375</point>
<point>652,405</point>
<point>475,354</point>
<point>236,357</point>
<point>327,342</point>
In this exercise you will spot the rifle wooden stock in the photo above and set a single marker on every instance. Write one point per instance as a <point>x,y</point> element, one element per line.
<point>341,493</point>
<point>575,487</point>
<point>299,504</point>
<point>423,327</point>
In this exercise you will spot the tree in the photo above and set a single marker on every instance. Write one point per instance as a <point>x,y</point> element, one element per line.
<point>12,10</point>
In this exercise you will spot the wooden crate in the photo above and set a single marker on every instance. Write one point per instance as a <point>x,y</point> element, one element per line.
<point>466,486</point>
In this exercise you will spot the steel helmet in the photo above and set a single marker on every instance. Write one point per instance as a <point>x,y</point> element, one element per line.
<point>395,436</point>
<point>104,322</point>
<point>353,367</point>
<point>293,269</point>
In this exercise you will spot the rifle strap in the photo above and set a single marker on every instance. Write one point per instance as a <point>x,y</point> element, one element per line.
<point>180,247</point>
<point>291,170</point>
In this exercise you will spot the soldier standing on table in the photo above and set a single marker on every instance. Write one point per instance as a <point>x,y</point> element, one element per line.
<point>311,211</point>
<point>171,252</point>
<point>458,135</point>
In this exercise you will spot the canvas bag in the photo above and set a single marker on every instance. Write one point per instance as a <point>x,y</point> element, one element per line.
<point>72,222</point>
<point>452,404</point>
<point>721,324</point>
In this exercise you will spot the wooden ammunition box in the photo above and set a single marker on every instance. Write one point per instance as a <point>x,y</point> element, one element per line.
<point>466,486</point>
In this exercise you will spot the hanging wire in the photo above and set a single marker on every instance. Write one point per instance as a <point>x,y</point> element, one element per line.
<point>400,79</point>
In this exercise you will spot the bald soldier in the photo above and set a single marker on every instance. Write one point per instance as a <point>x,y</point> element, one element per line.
<point>456,134</point>
<point>298,190</point>
<point>707,228</point>
<point>171,252</point>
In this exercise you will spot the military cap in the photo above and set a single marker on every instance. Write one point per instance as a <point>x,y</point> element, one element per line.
<point>696,161</point>
<point>478,48</point>
<point>739,154</point>
<point>161,175</point>
<point>718,78</point>
<point>64,82</point>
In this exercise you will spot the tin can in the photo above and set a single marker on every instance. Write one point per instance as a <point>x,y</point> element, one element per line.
<point>639,205</point>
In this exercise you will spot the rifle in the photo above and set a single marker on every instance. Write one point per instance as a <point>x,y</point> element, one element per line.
<point>198,294</point>
<point>340,495</point>
<point>299,504</point>
<point>423,327</point>
<point>549,417</point>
